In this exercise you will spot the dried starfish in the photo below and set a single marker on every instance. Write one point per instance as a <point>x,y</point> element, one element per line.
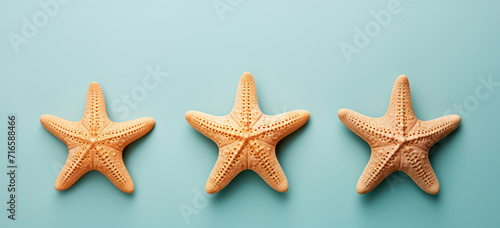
<point>247,138</point>
<point>95,142</point>
<point>399,141</point>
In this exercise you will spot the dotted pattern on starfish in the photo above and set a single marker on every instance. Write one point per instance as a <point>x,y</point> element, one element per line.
<point>247,138</point>
<point>95,142</point>
<point>399,141</point>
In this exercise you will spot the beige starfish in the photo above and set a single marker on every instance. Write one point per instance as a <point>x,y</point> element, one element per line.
<point>247,138</point>
<point>399,141</point>
<point>95,142</point>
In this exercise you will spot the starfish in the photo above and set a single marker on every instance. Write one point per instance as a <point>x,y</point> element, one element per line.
<point>247,138</point>
<point>95,142</point>
<point>399,141</point>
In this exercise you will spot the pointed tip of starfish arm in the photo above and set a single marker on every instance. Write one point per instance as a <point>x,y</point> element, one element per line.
<point>60,187</point>
<point>95,87</point>
<point>304,114</point>
<point>402,79</point>
<point>148,121</point>
<point>456,119</point>
<point>94,84</point>
<point>127,189</point>
<point>190,115</point>
<point>44,118</point>
<point>211,188</point>
<point>46,121</point>
<point>433,190</point>
<point>361,189</point>
<point>247,76</point>
<point>342,113</point>
<point>283,187</point>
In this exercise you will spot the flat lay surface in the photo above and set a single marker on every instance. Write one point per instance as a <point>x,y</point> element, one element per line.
<point>162,59</point>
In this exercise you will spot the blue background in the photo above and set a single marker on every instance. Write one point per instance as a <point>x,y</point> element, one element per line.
<point>293,51</point>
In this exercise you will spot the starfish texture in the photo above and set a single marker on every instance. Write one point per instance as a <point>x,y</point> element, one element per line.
<point>247,138</point>
<point>399,141</point>
<point>95,142</point>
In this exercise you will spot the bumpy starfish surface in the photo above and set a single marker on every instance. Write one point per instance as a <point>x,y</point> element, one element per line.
<point>95,142</point>
<point>399,141</point>
<point>247,138</point>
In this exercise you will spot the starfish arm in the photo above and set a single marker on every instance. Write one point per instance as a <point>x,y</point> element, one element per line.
<point>417,166</point>
<point>382,163</point>
<point>262,159</point>
<point>246,109</point>
<point>430,132</point>
<point>274,128</point>
<point>109,162</point>
<point>71,133</point>
<point>229,163</point>
<point>400,109</point>
<point>120,134</point>
<point>216,128</point>
<point>369,129</point>
<point>95,117</point>
<point>78,163</point>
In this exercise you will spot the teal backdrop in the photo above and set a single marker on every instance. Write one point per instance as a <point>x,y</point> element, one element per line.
<point>163,58</point>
